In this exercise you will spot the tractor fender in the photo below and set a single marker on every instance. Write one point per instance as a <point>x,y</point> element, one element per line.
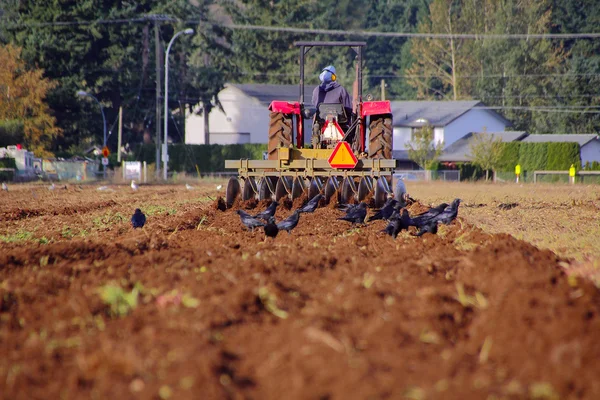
<point>375,108</point>
<point>285,107</point>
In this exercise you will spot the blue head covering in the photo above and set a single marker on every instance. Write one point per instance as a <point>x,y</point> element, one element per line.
<point>327,78</point>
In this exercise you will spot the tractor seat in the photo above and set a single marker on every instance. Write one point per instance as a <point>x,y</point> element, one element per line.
<point>328,110</point>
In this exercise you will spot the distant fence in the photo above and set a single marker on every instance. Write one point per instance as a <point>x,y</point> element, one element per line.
<point>426,175</point>
<point>563,176</point>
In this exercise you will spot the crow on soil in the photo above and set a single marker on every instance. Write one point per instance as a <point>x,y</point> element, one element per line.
<point>398,223</point>
<point>138,219</point>
<point>427,215</point>
<point>356,215</point>
<point>449,214</point>
<point>428,227</point>
<point>290,222</point>
<point>249,221</point>
<point>271,229</point>
<point>312,204</point>
<point>269,212</point>
<point>347,207</point>
<point>387,210</point>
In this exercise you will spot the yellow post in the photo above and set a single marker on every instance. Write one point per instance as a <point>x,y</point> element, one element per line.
<point>518,171</point>
<point>572,174</point>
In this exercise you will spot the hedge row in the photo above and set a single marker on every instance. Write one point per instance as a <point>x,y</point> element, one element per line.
<point>540,156</point>
<point>208,158</point>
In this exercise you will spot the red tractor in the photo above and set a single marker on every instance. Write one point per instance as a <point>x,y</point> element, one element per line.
<point>350,158</point>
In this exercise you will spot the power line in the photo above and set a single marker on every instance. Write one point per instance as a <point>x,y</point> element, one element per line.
<point>364,33</point>
<point>333,32</point>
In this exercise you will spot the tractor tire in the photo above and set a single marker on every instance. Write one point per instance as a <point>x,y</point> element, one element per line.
<point>380,136</point>
<point>280,133</point>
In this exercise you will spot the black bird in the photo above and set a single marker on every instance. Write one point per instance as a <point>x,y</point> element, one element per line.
<point>269,212</point>
<point>449,214</point>
<point>249,221</point>
<point>138,219</point>
<point>290,222</point>
<point>312,204</point>
<point>427,215</point>
<point>428,227</point>
<point>387,210</point>
<point>347,207</point>
<point>398,223</point>
<point>271,229</point>
<point>356,215</point>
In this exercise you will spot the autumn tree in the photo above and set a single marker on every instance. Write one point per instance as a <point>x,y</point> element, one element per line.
<point>22,99</point>
<point>422,149</point>
<point>437,61</point>
<point>485,151</point>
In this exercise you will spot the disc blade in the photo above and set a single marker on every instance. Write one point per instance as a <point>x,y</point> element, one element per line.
<point>315,187</point>
<point>298,187</point>
<point>232,191</point>
<point>365,187</point>
<point>266,188</point>
<point>331,187</point>
<point>250,190</point>
<point>382,191</point>
<point>283,187</point>
<point>349,190</point>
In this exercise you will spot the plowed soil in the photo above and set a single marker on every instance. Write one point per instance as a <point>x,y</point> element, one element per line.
<point>330,311</point>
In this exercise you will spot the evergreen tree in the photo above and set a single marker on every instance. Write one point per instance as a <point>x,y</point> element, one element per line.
<point>115,61</point>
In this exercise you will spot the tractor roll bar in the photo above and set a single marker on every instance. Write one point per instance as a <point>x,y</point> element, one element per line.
<point>305,47</point>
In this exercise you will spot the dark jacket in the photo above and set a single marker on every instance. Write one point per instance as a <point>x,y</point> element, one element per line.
<point>332,92</point>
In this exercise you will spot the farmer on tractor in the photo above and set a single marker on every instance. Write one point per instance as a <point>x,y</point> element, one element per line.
<point>330,92</point>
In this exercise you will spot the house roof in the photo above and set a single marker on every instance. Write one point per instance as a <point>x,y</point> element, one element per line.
<point>581,138</point>
<point>266,93</point>
<point>435,113</point>
<point>459,151</point>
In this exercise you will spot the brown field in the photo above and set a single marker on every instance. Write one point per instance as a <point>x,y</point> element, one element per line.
<point>498,305</point>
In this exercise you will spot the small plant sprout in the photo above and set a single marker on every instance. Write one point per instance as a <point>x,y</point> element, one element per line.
<point>121,302</point>
<point>269,301</point>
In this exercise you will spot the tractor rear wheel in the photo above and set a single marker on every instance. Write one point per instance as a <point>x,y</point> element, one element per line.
<point>280,133</point>
<point>380,136</point>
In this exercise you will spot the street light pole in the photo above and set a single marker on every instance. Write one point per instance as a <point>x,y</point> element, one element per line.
<point>83,93</point>
<point>188,31</point>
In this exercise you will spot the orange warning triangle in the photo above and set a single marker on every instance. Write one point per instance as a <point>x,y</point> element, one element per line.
<point>342,156</point>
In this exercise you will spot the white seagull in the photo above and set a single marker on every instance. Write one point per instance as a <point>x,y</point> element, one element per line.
<point>189,187</point>
<point>219,187</point>
<point>51,187</point>
<point>134,186</point>
<point>4,187</point>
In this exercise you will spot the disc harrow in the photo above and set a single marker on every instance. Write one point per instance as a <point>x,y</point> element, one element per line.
<point>257,180</point>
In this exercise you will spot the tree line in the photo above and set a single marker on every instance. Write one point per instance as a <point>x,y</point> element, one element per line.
<point>110,48</point>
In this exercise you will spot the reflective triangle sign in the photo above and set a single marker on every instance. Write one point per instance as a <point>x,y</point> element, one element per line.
<point>342,156</point>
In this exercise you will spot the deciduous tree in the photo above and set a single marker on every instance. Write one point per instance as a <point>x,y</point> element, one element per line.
<point>485,151</point>
<point>422,149</point>
<point>23,98</point>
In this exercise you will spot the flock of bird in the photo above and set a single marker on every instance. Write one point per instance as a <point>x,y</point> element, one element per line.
<point>393,211</point>
<point>266,219</point>
<point>399,219</point>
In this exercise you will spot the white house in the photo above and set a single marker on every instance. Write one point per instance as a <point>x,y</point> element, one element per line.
<point>25,161</point>
<point>244,117</point>
<point>451,120</point>
<point>589,143</point>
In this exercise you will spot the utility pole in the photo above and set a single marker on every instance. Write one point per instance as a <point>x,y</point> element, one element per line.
<point>157,51</point>
<point>383,89</point>
<point>120,134</point>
